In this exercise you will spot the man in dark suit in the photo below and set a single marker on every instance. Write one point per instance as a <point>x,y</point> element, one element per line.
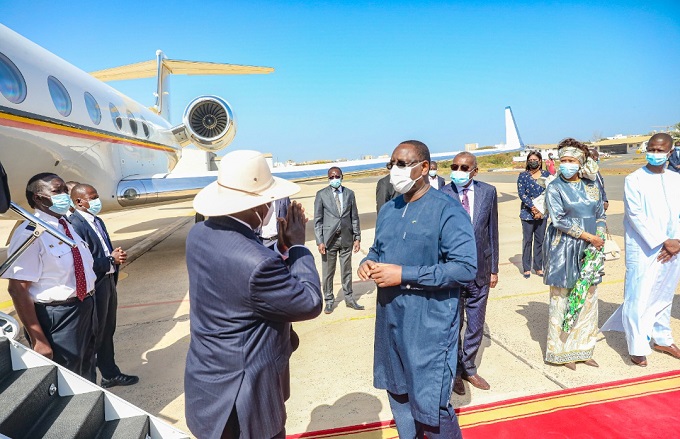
<point>384,192</point>
<point>243,297</point>
<point>674,159</point>
<point>336,227</point>
<point>107,261</point>
<point>435,180</point>
<point>481,202</point>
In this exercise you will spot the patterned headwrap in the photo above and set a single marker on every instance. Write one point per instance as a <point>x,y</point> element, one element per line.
<point>570,151</point>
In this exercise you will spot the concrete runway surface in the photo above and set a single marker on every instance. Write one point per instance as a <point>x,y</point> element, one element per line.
<point>331,373</point>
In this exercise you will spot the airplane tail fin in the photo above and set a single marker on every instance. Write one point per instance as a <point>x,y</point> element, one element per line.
<point>512,137</point>
<point>162,67</point>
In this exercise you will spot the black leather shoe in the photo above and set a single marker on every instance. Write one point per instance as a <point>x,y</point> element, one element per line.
<point>120,380</point>
<point>329,308</point>
<point>352,304</point>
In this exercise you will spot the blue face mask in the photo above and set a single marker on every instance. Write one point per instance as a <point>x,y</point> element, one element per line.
<point>60,204</point>
<point>460,178</point>
<point>569,169</point>
<point>432,173</point>
<point>656,158</point>
<point>335,183</point>
<point>95,206</point>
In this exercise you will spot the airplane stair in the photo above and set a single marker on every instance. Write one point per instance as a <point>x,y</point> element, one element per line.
<point>39,399</point>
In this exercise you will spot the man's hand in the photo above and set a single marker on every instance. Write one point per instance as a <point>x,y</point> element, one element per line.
<point>322,248</point>
<point>672,246</point>
<point>606,205</point>
<point>119,256</point>
<point>494,280</point>
<point>357,246</point>
<point>664,256</point>
<point>43,348</point>
<point>293,227</point>
<point>538,216</point>
<point>386,275</point>
<point>365,269</point>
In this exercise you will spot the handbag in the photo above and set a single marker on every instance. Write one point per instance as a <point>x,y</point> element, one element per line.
<point>611,249</point>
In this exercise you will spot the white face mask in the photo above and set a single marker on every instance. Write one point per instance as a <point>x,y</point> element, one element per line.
<point>401,178</point>
<point>267,217</point>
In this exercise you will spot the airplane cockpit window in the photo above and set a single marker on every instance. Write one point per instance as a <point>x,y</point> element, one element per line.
<point>133,123</point>
<point>12,83</point>
<point>93,108</point>
<point>115,116</point>
<point>60,97</point>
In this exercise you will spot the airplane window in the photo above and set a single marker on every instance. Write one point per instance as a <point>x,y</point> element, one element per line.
<point>145,127</point>
<point>115,116</point>
<point>60,97</point>
<point>93,108</point>
<point>12,83</point>
<point>133,122</point>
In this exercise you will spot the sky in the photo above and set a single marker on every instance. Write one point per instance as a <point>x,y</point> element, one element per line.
<point>355,78</point>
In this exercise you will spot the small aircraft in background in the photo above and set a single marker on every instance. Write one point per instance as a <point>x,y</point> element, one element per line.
<point>57,118</point>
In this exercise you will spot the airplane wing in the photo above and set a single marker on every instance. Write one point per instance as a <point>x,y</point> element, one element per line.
<point>149,69</point>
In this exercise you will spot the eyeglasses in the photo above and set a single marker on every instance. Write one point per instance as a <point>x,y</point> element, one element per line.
<point>401,164</point>
<point>464,168</point>
<point>334,177</point>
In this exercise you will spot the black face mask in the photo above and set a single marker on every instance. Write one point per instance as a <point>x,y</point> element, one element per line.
<point>534,165</point>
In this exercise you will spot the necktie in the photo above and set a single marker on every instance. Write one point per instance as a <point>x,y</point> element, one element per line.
<point>81,283</point>
<point>465,201</point>
<point>337,201</point>
<point>100,229</point>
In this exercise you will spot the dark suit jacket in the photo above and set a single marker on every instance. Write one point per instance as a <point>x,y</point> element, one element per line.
<point>384,192</point>
<point>600,183</point>
<point>485,225</point>
<point>674,161</point>
<point>243,297</point>
<point>327,221</point>
<point>101,262</point>
<point>440,182</point>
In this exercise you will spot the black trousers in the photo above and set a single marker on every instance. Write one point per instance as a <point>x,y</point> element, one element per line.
<point>106,300</point>
<point>533,231</point>
<point>70,330</point>
<point>473,304</point>
<point>336,247</point>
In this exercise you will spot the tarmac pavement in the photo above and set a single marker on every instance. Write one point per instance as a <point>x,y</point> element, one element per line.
<point>331,372</point>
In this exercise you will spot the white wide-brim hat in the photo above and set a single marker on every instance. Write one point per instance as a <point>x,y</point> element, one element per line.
<point>244,181</point>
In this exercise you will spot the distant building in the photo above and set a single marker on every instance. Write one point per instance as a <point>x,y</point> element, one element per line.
<point>621,145</point>
<point>471,146</point>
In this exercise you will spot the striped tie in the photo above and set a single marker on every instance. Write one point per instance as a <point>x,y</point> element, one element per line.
<point>81,283</point>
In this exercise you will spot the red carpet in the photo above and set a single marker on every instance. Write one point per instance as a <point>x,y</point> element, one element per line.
<point>646,407</point>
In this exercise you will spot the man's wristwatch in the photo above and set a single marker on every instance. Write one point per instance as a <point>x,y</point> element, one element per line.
<point>112,260</point>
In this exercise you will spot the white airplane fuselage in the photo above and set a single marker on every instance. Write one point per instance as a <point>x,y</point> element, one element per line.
<point>36,137</point>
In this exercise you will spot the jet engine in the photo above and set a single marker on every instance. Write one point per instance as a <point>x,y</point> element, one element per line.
<point>208,123</point>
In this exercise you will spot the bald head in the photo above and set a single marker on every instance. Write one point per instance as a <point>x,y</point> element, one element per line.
<point>660,142</point>
<point>468,157</point>
<point>81,190</point>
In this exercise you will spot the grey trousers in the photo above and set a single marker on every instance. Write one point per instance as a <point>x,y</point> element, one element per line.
<point>328,262</point>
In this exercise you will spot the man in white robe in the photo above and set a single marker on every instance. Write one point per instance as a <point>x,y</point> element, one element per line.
<point>652,232</point>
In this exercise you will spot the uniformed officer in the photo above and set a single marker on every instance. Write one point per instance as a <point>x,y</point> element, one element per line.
<point>51,284</point>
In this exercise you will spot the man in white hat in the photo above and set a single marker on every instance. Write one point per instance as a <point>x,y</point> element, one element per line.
<point>243,297</point>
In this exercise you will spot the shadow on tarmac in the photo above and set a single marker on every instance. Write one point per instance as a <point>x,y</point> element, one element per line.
<point>536,314</point>
<point>359,289</point>
<point>350,409</point>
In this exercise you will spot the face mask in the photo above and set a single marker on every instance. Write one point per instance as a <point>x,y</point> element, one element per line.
<point>534,165</point>
<point>401,178</point>
<point>569,169</point>
<point>335,183</point>
<point>656,158</point>
<point>432,173</point>
<point>60,204</point>
<point>95,206</point>
<point>460,178</point>
<point>266,219</point>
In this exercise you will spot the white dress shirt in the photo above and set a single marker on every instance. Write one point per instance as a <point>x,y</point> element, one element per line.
<point>90,220</point>
<point>434,181</point>
<point>470,194</point>
<point>48,263</point>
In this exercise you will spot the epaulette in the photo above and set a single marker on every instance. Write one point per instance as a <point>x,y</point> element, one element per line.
<point>30,227</point>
